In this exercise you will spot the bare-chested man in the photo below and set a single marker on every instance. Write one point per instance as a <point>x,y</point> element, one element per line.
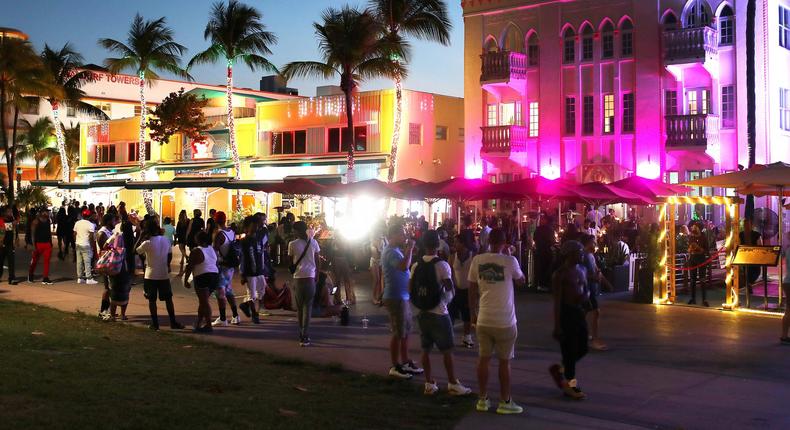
<point>571,296</point>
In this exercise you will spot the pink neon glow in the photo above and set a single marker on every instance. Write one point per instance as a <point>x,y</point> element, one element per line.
<point>550,172</point>
<point>648,170</point>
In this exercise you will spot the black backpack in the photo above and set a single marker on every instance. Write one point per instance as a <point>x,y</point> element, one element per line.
<point>233,256</point>
<point>426,290</point>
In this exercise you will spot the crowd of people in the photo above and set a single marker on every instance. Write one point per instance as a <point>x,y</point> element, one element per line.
<point>448,274</point>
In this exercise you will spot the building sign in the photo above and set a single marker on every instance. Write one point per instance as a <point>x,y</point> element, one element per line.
<point>222,171</point>
<point>202,149</point>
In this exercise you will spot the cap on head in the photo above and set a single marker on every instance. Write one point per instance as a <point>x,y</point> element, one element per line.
<point>571,248</point>
<point>431,239</point>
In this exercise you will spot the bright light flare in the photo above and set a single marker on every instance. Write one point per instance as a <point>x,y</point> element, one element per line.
<point>359,217</point>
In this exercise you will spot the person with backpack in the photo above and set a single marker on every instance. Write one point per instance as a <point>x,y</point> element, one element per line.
<point>430,291</point>
<point>492,276</point>
<point>121,282</point>
<point>252,270</point>
<point>102,237</point>
<point>395,265</point>
<point>303,253</point>
<point>228,252</point>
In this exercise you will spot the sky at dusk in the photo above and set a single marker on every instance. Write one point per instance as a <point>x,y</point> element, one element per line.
<point>433,67</point>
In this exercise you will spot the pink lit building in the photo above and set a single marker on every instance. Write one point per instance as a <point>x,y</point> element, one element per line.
<point>603,89</point>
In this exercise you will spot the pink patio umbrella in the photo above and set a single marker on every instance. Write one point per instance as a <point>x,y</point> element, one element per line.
<point>537,188</point>
<point>650,188</point>
<point>599,194</point>
<point>460,190</point>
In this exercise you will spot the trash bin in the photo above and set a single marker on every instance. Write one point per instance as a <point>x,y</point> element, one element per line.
<point>643,287</point>
<point>618,277</point>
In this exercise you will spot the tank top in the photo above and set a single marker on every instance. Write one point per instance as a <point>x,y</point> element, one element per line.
<point>209,264</point>
<point>43,233</point>
<point>462,272</point>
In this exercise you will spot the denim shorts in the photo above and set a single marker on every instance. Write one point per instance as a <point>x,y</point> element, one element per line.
<point>436,330</point>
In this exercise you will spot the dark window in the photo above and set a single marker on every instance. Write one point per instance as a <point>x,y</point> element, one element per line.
<point>441,132</point>
<point>587,48</point>
<point>134,151</point>
<point>569,52</point>
<point>360,138</point>
<point>628,112</point>
<point>338,139</point>
<point>607,45</point>
<point>570,115</point>
<point>300,141</point>
<point>533,54</point>
<point>671,103</point>
<point>628,44</point>
<point>334,140</point>
<point>726,27</point>
<point>588,123</point>
<point>784,27</point>
<point>70,110</point>
<point>728,106</point>
<point>289,142</point>
<point>105,154</point>
<point>31,106</point>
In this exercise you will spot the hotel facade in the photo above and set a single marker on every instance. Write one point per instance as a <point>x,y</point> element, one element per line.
<point>600,90</point>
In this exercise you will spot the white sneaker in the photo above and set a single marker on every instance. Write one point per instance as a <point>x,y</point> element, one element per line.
<point>399,372</point>
<point>235,320</point>
<point>430,388</point>
<point>91,281</point>
<point>468,342</point>
<point>412,368</point>
<point>80,281</point>
<point>219,322</point>
<point>458,389</point>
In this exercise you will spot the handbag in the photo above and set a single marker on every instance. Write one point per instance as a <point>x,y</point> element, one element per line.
<point>112,257</point>
<point>292,267</point>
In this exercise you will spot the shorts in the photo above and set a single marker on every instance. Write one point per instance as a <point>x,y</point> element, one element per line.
<point>207,281</point>
<point>157,287</point>
<point>400,316</point>
<point>256,287</point>
<point>436,330</point>
<point>225,279</point>
<point>501,340</point>
<point>595,290</point>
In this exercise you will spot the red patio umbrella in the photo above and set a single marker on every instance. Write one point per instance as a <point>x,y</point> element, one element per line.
<point>599,194</point>
<point>410,189</point>
<point>301,186</point>
<point>460,189</point>
<point>537,188</point>
<point>650,188</point>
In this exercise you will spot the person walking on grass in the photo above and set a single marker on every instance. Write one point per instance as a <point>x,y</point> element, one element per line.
<point>102,238</point>
<point>571,298</point>
<point>252,270</point>
<point>156,283</point>
<point>492,277</point>
<point>303,253</point>
<point>203,266</point>
<point>7,230</point>
<point>42,245</point>
<point>461,262</point>
<point>430,290</point>
<point>395,264</point>
<point>85,245</point>
<point>594,285</point>
<point>228,260</point>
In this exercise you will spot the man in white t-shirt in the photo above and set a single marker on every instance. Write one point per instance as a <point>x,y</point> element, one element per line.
<point>85,243</point>
<point>491,281</point>
<point>156,283</point>
<point>436,327</point>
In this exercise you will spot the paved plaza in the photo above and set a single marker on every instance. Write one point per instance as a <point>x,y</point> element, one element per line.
<point>668,367</point>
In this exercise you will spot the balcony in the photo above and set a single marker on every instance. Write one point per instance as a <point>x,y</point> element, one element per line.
<point>690,48</point>
<point>692,131</point>
<point>503,70</point>
<point>504,141</point>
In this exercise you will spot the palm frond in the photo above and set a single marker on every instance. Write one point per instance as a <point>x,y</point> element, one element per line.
<point>236,32</point>
<point>211,55</point>
<point>257,62</point>
<point>308,69</point>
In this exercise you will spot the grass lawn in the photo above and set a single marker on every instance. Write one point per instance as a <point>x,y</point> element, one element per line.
<point>63,370</point>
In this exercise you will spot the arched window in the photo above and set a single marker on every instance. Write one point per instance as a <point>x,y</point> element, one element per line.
<point>512,40</point>
<point>726,26</point>
<point>533,50</point>
<point>697,14</point>
<point>587,42</point>
<point>607,40</point>
<point>568,45</point>
<point>626,38</point>
<point>670,21</point>
<point>490,44</point>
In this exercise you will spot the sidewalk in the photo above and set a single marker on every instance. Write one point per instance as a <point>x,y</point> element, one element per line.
<point>668,367</point>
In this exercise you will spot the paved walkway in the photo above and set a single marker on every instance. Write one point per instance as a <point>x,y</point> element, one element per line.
<point>669,367</point>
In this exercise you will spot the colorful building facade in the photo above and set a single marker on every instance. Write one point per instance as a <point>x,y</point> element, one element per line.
<point>600,90</point>
<point>278,139</point>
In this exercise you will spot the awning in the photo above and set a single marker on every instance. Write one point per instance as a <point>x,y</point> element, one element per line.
<point>319,161</point>
<point>108,170</point>
<point>197,165</point>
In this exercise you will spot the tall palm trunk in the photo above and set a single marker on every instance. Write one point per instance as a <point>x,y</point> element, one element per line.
<point>38,166</point>
<point>4,136</point>
<point>12,158</point>
<point>147,194</point>
<point>751,102</point>
<point>350,174</point>
<point>396,127</point>
<point>64,163</point>
<point>234,151</point>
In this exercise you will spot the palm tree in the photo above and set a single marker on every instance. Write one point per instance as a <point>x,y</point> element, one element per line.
<point>751,96</point>
<point>149,48</point>
<point>65,65</point>
<point>22,76</point>
<point>71,144</point>
<point>422,19</point>
<point>36,144</point>
<point>236,34</point>
<point>352,47</point>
